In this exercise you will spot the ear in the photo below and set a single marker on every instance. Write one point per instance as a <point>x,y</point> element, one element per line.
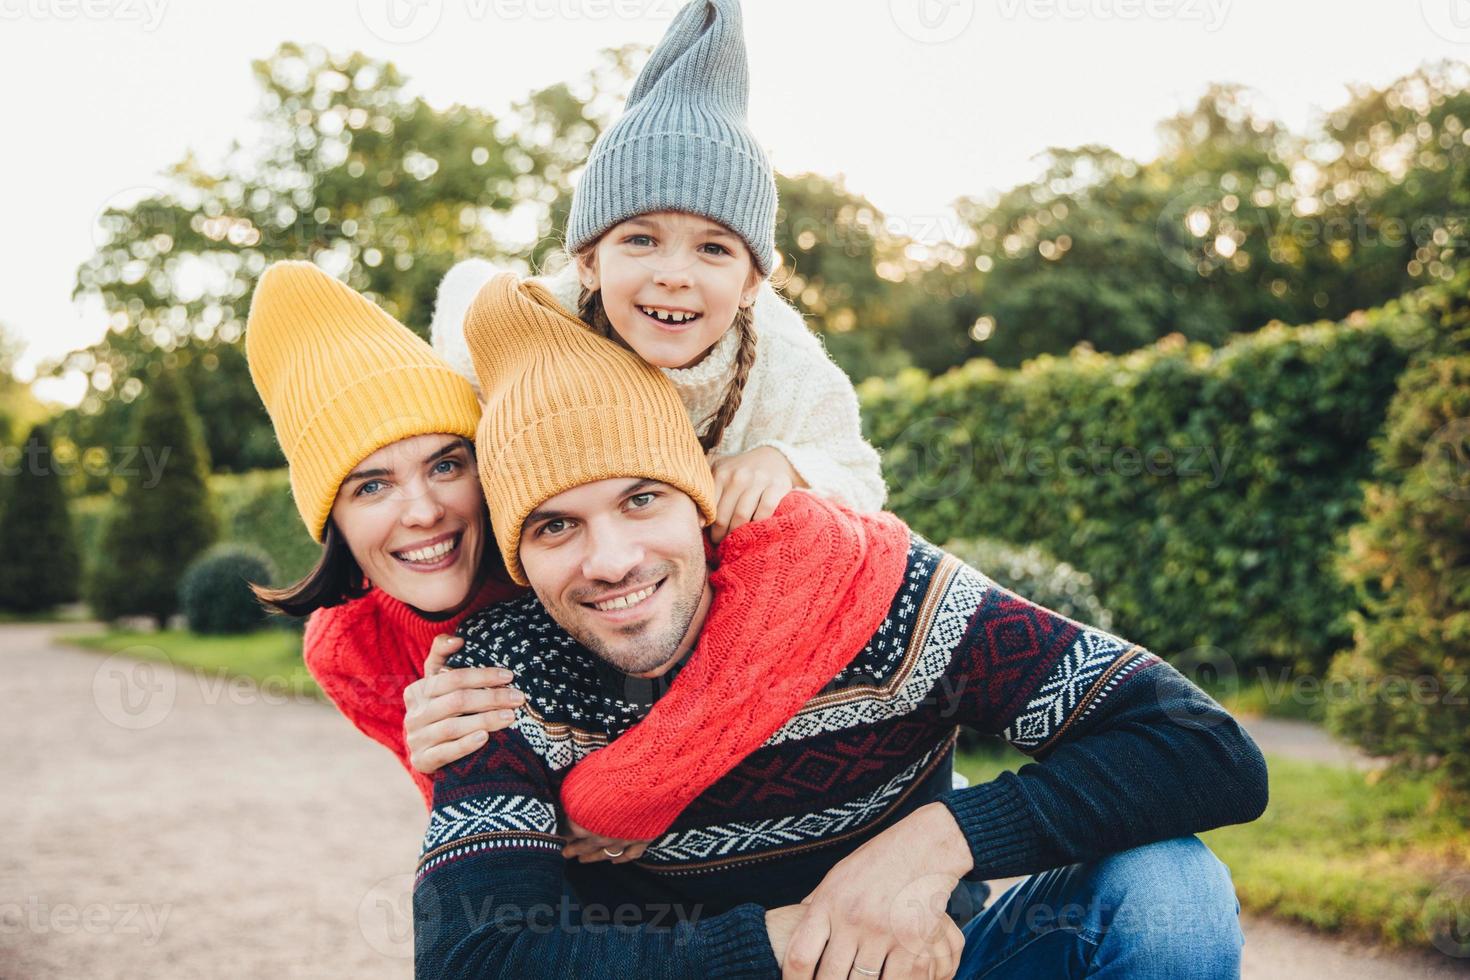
<point>752,288</point>
<point>587,269</point>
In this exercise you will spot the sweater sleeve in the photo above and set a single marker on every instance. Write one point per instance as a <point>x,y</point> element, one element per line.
<point>370,698</point>
<point>1128,751</point>
<point>806,407</point>
<point>488,894</point>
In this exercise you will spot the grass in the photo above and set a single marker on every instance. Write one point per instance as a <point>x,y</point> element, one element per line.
<point>1336,849</point>
<point>270,657</point>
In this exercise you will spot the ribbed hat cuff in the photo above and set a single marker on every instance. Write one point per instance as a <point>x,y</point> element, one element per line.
<point>563,450</point>
<point>376,410</point>
<point>672,171</point>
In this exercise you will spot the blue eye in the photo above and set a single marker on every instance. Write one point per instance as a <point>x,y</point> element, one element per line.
<point>363,490</point>
<point>639,239</point>
<point>453,464</point>
<point>647,499</point>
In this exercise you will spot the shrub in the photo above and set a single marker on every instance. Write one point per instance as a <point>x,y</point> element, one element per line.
<point>1033,574</point>
<point>1404,678</point>
<point>215,592</point>
<point>161,518</point>
<point>1203,489</point>
<point>40,567</point>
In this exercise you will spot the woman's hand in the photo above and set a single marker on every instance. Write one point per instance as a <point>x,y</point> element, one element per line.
<point>452,711</point>
<point>748,486</point>
<point>588,847</point>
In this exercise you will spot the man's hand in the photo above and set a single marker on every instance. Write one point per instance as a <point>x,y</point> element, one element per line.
<point>882,908</point>
<point>451,712</point>
<point>588,847</point>
<point>748,486</point>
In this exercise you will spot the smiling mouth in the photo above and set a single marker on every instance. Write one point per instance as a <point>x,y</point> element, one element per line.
<point>630,601</point>
<point>432,556</point>
<point>669,318</point>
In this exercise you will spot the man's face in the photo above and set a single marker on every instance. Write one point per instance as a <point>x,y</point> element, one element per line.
<point>619,564</point>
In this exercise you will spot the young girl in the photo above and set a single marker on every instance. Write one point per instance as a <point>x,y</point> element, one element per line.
<point>671,244</point>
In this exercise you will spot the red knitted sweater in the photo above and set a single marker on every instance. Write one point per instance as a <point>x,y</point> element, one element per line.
<point>796,597</point>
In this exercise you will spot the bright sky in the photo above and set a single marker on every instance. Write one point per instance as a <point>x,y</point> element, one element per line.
<point>915,101</point>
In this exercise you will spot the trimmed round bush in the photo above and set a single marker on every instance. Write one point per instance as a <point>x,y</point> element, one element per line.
<point>1034,574</point>
<point>215,591</point>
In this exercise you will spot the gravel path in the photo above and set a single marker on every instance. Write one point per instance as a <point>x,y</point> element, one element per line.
<point>161,823</point>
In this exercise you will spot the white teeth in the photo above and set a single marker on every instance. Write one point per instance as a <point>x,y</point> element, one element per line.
<point>433,553</point>
<point>668,316</point>
<point>623,602</point>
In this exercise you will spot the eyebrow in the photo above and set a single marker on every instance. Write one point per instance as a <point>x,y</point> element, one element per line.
<point>710,229</point>
<point>543,514</point>
<point>444,450</point>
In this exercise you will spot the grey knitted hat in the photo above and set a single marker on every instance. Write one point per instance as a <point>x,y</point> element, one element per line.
<point>683,144</point>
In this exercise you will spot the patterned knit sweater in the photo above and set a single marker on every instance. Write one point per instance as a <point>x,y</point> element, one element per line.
<point>1128,752</point>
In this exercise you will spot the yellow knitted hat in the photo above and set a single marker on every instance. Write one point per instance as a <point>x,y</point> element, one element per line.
<point>341,379</point>
<point>564,407</point>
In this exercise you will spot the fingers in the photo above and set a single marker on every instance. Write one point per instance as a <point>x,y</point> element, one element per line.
<point>436,757</point>
<point>840,955</point>
<point>804,951</point>
<point>440,650</point>
<point>467,700</point>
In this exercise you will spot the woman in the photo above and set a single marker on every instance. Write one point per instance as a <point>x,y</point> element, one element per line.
<point>378,433</point>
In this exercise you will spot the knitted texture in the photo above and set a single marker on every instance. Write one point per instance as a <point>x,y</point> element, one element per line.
<point>565,407</point>
<point>799,596</point>
<point>683,143</point>
<point>796,399</point>
<point>341,379</point>
<point>363,653</point>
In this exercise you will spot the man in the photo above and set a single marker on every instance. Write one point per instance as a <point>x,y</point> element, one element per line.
<point>799,804</point>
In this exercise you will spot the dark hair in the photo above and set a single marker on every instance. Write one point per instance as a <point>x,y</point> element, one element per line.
<point>336,577</point>
<point>589,308</point>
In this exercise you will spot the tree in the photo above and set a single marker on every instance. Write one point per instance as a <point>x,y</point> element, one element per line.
<point>352,172</point>
<point>41,567</point>
<point>161,516</point>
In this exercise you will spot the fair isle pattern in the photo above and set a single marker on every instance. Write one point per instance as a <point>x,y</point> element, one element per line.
<point>510,815</point>
<point>1131,663</point>
<point>1072,681</point>
<point>749,839</point>
<point>954,593</point>
<point>559,746</point>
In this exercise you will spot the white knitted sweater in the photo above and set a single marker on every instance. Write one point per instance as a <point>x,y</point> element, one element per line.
<point>796,399</point>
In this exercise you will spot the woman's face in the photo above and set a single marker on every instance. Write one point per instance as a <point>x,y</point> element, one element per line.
<point>413,516</point>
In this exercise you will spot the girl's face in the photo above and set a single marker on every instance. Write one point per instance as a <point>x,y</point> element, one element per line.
<point>413,516</point>
<point>671,283</point>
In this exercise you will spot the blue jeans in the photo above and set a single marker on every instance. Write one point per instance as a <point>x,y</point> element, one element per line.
<point>1162,910</point>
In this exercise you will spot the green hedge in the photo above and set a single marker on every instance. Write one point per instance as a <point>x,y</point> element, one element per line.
<point>1203,489</point>
<point>254,508</point>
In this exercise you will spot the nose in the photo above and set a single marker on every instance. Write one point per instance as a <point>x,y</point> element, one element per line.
<point>422,508</point>
<point>673,270</point>
<point>611,553</point>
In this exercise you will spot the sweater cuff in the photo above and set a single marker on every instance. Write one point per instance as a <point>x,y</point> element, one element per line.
<point>997,822</point>
<point>736,944</point>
